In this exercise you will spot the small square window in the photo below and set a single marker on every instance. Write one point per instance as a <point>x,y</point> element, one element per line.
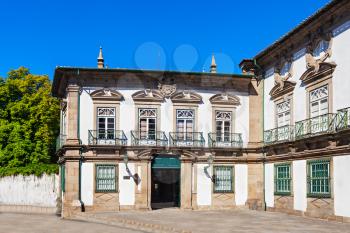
<point>106,178</point>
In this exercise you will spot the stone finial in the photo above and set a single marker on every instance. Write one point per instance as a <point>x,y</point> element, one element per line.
<point>100,60</point>
<point>213,65</point>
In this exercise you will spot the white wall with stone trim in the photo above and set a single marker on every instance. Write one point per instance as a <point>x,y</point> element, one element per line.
<point>341,173</point>
<point>269,185</point>
<point>87,183</point>
<point>126,186</point>
<point>299,185</point>
<point>86,116</point>
<point>204,185</point>
<point>241,184</point>
<point>29,190</point>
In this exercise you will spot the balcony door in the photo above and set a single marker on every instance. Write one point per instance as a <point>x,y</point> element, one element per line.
<point>105,125</point>
<point>319,110</point>
<point>147,124</point>
<point>185,124</point>
<point>223,126</point>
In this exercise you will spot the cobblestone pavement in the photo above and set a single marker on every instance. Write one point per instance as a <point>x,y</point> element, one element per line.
<point>34,223</point>
<point>219,221</point>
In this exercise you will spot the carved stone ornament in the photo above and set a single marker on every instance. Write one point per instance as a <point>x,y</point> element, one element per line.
<point>148,95</point>
<point>106,94</point>
<point>318,67</point>
<point>186,97</point>
<point>225,99</point>
<point>282,75</point>
<point>167,90</point>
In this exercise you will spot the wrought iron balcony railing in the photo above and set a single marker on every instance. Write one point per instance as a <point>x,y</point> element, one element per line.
<point>150,138</point>
<point>279,134</point>
<point>60,141</point>
<point>314,126</point>
<point>192,139</point>
<point>107,137</point>
<point>343,119</point>
<point>227,140</point>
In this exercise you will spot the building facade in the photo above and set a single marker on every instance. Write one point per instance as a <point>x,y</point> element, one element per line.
<point>275,137</point>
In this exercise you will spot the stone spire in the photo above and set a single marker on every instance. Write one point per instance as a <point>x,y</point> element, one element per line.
<point>100,60</point>
<point>213,65</point>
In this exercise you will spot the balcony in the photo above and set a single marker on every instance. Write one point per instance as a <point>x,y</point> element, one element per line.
<point>193,139</point>
<point>315,126</point>
<point>60,141</point>
<point>225,140</point>
<point>107,137</point>
<point>343,119</point>
<point>279,134</point>
<point>140,138</point>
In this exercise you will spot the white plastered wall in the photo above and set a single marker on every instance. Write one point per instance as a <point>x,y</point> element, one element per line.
<point>299,185</point>
<point>204,187</point>
<point>87,182</point>
<point>241,184</point>
<point>269,185</point>
<point>86,116</point>
<point>126,186</point>
<point>341,171</point>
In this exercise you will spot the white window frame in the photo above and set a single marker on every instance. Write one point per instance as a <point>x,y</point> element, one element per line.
<point>185,115</point>
<point>147,114</point>
<point>223,117</point>
<point>317,96</point>
<point>282,110</point>
<point>106,113</point>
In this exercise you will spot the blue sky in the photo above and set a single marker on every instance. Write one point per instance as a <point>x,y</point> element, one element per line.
<point>171,35</point>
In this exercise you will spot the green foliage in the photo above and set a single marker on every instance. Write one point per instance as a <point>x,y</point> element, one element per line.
<point>29,122</point>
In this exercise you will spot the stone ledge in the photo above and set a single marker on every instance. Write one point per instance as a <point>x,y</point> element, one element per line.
<point>28,209</point>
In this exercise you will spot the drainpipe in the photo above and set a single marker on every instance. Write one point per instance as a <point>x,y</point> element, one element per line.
<point>263,127</point>
<point>81,159</point>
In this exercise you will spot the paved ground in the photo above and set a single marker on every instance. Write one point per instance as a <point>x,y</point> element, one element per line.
<point>33,223</point>
<point>224,221</point>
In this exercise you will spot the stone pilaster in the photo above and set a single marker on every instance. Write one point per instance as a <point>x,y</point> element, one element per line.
<point>255,186</point>
<point>141,193</point>
<point>72,114</point>
<point>186,184</point>
<point>255,113</point>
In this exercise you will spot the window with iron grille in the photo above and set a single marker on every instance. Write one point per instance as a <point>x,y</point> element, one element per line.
<point>319,178</point>
<point>223,179</point>
<point>282,179</point>
<point>106,178</point>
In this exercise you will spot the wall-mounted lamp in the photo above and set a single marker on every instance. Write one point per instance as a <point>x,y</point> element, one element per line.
<point>210,163</point>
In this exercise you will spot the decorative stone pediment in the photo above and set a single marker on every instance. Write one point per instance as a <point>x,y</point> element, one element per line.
<point>148,95</point>
<point>225,99</point>
<point>282,88</point>
<point>186,97</point>
<point>106,94</point>
<point>322,70</point>
<point>166,89</point>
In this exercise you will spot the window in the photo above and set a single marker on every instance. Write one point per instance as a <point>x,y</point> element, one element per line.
<point>184,124</point>
<point>106,123</point>
<point>223,179</point>
<point>283,113</point>
<point>223,126</point>
<point>105,178</point>
<point>282,179</point>
<point>319,178</point>
<point>321,48</point>
<point>147,123</point>
<point>319,101</point>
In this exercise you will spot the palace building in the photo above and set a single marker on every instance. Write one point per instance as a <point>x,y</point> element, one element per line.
<point>276,137</point>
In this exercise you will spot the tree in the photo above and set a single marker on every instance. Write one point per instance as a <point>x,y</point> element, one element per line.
<point>29,122</point>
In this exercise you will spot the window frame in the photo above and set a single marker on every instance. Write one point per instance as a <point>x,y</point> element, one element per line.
<point>277,113</point>
<point>148,135</point>
<point>222,136</point>
<point>106,123</point>
<point>309,179</point>
<point>215,167</point>
<point>97,190</point>
<point>319,100</point>
<point>185,134</point>
<point>276,178</point>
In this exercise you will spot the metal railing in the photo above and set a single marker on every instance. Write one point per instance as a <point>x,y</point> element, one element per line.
<point>314,126</point>
<point>60,141</point>
<point>107,137</point>
<point>279,134</point>
<point>192,139</point>
<point>150,138</point>
<point>343,119</point>
<point>226,140</point>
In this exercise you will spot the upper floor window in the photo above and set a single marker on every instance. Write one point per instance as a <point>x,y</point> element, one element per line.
<point>321,48</point>
<point>147,123</point>
<point>283,113</point>
<point>319,101</point>
<point>185,123</point>
<point>223,121</point>
<point>106,123</point>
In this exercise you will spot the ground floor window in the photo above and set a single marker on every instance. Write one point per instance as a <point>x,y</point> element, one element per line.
<point>282,179</point>
<point>319,178</point>
<point>106,178</point>
<point>223,179</point>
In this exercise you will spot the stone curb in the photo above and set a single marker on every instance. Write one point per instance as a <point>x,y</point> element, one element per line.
<point>28,209</point>
<point>127,223</point>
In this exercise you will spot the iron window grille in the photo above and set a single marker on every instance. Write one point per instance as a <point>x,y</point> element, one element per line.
<point>319,178</point>
<point>223,179</point>
<point>106,178</point>
<point>283,179</point>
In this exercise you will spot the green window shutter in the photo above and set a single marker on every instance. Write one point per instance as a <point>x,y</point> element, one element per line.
<point>283,179</point>
<point>223,179</point>
<point>106,178</point>
<point>319,178</point>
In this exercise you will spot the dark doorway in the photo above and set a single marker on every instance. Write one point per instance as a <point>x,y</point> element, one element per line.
<point>165,182</point>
